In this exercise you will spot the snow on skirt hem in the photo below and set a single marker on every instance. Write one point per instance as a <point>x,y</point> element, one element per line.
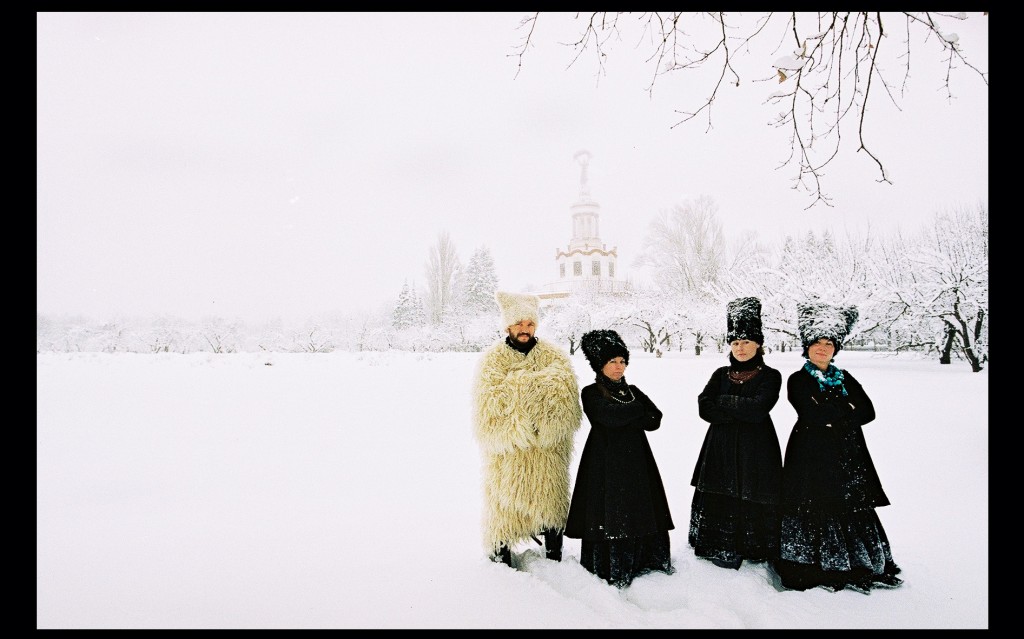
<point>833,549</point>
<point>620,561</point>
<point>730,529</point>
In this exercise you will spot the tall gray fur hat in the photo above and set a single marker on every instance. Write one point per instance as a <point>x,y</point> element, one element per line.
<point>743,320</point>
<point>515,307</point>
<point>818,320</point>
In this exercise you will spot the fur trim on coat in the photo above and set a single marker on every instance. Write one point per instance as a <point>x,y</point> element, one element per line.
<point>526,411</point>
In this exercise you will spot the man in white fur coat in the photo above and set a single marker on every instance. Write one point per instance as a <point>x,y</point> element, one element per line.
<point>526,411</point>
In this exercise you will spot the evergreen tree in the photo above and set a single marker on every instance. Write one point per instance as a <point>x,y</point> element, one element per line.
<point>417,314</point>
<point>405,313</point>
<point>480,283</point>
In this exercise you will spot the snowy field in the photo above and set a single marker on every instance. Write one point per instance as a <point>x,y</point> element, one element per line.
<point>342,490</point>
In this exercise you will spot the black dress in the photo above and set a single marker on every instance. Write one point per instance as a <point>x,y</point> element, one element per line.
<point>619,509</point>
<point>738,475</point>
<point>831,535</point>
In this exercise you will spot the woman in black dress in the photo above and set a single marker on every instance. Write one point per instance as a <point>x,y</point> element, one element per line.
<point>619,510</point>
<point>738,474</point>
<point>831,535</point>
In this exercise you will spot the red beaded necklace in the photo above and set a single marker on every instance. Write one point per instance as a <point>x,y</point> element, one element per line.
<point>738,377</point>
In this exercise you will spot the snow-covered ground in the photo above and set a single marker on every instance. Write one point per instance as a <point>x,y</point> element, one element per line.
<point>342,490</point>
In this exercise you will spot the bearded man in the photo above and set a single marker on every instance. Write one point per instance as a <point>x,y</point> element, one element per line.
<point>526,413</point>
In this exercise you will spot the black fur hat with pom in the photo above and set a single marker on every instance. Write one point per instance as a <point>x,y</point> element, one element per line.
<point>601,345</point>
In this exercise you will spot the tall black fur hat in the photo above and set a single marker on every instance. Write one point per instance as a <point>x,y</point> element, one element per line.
<point>602,345</point>
<point>743,320</point>
<point>820,320</point>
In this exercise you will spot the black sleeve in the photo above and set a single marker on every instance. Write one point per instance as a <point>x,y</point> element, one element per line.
<point>708,406</point>
<point>610,413</point>
<point>651,419</point>
<point>756,407</point>
<point>811,408</point>
<point>857,407</point>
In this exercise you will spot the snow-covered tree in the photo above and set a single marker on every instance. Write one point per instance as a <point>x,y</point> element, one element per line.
<point>815,268</point>
<point>221,336</point>
<point>64,333</point>
<point>166,334</point>
<point>567,322</point>
<point>408,310</point>
<point>443,271</point>
<point>480,283</point>
<point>270,336</point>
<point>746,255</point>
<point>926,291</point>
<point>419,314</point>
<point>950,262</point>
<point>685,248</point>
<point>654,317</point>
<point>312,338</point>
<point>747,262</point>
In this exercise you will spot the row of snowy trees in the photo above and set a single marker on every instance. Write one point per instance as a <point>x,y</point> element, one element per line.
<point>926,292</point>
<point>456,312</point>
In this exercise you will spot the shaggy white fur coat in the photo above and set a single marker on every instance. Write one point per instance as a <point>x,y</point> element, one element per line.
<point>525,415</point>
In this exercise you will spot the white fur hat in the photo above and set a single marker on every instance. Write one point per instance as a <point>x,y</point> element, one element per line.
<point>516,307</point>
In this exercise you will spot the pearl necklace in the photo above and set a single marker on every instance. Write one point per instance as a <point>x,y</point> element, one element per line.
<point>623,392</point>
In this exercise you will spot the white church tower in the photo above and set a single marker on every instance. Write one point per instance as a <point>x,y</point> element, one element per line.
<point>586,264</point>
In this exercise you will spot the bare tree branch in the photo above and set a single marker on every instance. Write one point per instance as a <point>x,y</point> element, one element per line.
<point>833,72</point>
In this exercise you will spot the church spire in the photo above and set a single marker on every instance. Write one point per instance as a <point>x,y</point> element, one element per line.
<point>585,212</point>
<point>586,264</point>
<point>583,158</point>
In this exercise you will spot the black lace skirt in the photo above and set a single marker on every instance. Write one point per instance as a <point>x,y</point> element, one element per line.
<point>731,529</point>
<point>833,549</point>
<point>620,561</point>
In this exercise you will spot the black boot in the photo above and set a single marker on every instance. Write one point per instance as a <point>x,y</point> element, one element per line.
<point>733,564</point>
<point>504,555</point>
<point>553,544</point>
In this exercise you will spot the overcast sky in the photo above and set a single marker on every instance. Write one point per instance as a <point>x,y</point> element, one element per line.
<point>256,165</point>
